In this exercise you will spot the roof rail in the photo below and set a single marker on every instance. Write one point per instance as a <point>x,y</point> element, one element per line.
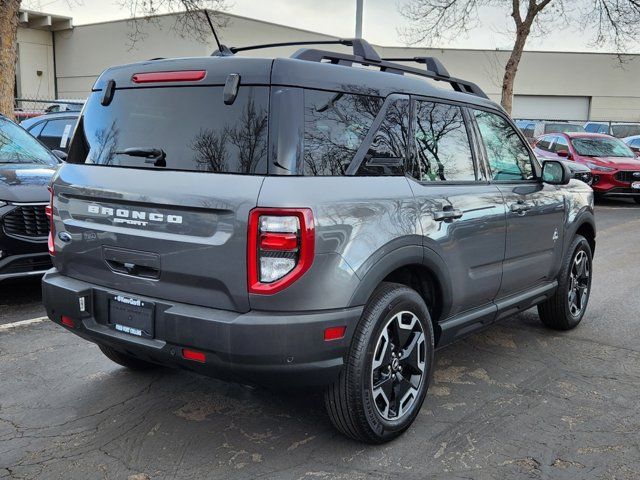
<point>365,54</point>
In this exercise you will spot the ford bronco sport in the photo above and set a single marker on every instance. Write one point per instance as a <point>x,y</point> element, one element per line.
<point>306,221</point>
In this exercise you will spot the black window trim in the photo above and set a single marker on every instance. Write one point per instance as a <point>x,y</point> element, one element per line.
<point>537,168</point>
<point>478,165</point>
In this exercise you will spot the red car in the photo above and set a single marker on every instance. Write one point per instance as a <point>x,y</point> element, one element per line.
<point>615,167</point>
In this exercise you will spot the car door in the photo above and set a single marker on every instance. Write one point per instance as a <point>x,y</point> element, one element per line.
<point>534,210</point>
<point>462,215</point>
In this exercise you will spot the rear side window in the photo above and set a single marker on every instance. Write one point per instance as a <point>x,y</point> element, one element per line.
<point>442,144</point>
<point>508,156</point>
<point>388,150</point>
<point>191,125</point>
<point>335,124</point>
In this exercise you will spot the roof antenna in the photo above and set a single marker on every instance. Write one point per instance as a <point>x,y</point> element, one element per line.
<point>223,50</point>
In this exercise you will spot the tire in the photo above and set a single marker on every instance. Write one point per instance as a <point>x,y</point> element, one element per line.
<point>394,313</point>
<point>559,312</point>
<point>126,360</point>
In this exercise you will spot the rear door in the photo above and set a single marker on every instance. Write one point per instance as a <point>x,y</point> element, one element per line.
<point>462,216</point>
<point>178,231</point>
<point>535,210</point>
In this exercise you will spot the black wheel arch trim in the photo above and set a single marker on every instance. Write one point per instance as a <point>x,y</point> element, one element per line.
<point>403,257</point>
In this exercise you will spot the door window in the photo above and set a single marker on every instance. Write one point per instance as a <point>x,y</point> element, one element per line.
<point>545,144</point>
<point>442,144</point>
<point>508,156</point>
<point>561,144</point>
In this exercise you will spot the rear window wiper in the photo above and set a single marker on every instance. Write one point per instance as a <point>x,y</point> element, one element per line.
<point>157,156</point>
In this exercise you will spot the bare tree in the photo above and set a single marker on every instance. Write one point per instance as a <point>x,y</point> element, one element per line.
<point>613,23</point>
<point>191,22</point>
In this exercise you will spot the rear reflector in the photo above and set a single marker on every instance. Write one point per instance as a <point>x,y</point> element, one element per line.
<point>68,321</point>
<point>176,76</point>
<point>48,211</point>
<point>334,333</point>
<point>193,355</point>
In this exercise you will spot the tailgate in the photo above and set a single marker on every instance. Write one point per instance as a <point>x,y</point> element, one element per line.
<point>179,236</point>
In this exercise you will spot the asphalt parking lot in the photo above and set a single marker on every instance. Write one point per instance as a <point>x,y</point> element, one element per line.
<point>516,401</point>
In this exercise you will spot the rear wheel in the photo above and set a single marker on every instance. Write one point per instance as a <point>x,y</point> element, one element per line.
<point>387,371</point>
<point>566,308</point>
<point>126,360</point>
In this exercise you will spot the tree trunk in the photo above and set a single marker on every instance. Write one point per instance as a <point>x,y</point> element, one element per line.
<point>8,54</point>
<point>511,68</point>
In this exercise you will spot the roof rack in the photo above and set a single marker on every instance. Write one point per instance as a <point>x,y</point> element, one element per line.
<point>365,54</point>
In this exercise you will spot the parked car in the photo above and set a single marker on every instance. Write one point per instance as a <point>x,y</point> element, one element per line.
<point>614,166</point>
<point>64,105</point>
<point>618,130</point>
<point>26,168</point>
<point>633,143</point>
<point>56,106</point>
<point>533,129</point>
<point>54,129</point>
<point>336,251</point>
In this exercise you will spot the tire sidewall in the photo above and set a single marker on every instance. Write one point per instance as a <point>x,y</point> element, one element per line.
<point>405,300</point>
<point>579,244</point>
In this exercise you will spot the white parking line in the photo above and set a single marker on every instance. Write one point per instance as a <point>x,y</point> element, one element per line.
<point>22,323</point>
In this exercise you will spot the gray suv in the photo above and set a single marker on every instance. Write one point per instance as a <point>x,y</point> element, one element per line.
<point>306,222</point>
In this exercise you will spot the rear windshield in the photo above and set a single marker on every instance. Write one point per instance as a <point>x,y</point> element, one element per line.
<point>190,126</point>
<point>562,127</point>
<point>622,131</point>
<point>17,146</point>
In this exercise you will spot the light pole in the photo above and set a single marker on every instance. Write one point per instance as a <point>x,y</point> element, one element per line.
<point>359,18</point>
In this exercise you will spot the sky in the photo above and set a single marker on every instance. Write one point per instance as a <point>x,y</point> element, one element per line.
<point>381,23</point>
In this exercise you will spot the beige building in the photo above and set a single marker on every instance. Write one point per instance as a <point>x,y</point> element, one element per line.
<point>549,85</point>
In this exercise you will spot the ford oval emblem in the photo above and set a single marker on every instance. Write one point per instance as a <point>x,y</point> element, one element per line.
<point>64,236</point>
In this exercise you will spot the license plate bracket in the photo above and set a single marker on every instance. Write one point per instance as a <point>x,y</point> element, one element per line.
<point>132,316</point>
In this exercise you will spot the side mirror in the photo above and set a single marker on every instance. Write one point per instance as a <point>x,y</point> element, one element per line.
<point>564,154</point>
<point>555,173</point>
<point>60,154</point>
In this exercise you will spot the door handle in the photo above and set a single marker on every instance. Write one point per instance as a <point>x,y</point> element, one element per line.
<point>447,213</point>
<point>521,207</point>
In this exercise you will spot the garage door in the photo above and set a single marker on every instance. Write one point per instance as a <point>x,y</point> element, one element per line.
<point>541,107</point>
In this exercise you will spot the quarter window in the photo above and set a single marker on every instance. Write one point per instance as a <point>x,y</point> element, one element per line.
<point>545,143</point>
<point>508,156</point>
<point>388,150</point>
<point>442,144</point>
<point>335,124</point>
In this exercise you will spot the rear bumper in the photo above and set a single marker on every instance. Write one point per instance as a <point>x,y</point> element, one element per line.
<point>267,348</point>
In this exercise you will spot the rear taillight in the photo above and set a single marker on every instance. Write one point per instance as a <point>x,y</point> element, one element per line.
<point>280,248</point>
<point>48,210</point>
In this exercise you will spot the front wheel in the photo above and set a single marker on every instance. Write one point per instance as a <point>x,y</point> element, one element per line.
<point>566,308</point>
<point>387,370</point>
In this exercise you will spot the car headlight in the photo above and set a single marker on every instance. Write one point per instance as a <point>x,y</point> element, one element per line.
<point>599,168</point>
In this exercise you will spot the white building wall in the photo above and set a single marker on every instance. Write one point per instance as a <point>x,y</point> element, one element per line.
<point>611,90</point>
<point>35,69</point>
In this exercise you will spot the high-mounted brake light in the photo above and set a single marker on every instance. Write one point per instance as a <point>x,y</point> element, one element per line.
<point>48,211</point>
<point>280,247</point>
<point>175,76</point>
